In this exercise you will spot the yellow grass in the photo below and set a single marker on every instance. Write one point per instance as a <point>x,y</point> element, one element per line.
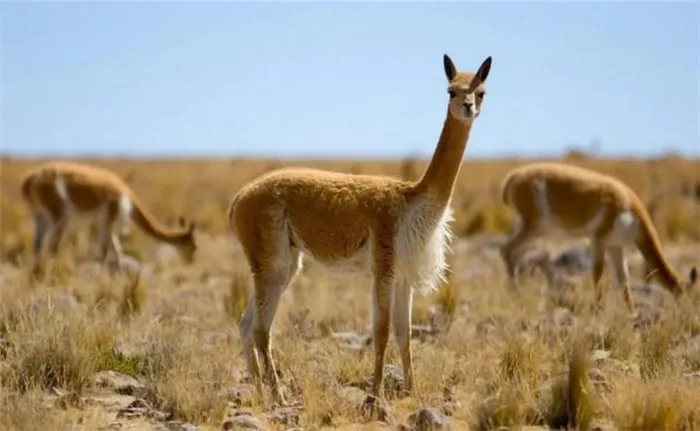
<point>489,358</point>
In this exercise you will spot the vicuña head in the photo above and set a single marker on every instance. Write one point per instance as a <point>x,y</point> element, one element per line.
<point>396,231</point>
<point>57,191</point>
<point>578,202</point>
<point>467,90</point>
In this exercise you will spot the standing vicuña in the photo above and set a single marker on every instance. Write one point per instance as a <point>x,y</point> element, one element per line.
<point>395,230</point>
<point>59,190</point>
<point>552,197</point>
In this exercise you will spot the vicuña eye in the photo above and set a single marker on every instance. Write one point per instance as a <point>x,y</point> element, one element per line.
<point>452,94</point>
<point>481,94</point>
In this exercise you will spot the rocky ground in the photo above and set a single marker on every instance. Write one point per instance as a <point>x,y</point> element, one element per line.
<point>82,351</point>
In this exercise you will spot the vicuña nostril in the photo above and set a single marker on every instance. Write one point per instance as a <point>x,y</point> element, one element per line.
<point>468,105</point>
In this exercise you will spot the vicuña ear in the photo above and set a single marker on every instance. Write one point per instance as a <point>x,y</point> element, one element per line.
<point>450,69</point>
<point>484,70</point>
<point>693,275</point>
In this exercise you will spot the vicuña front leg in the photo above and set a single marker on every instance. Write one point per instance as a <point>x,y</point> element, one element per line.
<point>268,288</point>
<point>621,271</point>
<point>383,299</point>
<point>55,234</point>
<point>403,301</point>
<point>598,253</point>
<point>110,246</point>
<point>42,225</point>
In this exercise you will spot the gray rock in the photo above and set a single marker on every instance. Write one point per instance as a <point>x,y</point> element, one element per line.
<point>241,395</point>
<point>121,383</point>
<point>353,340</point>
<point>422,331</point>
<point>131,266</point>
<point>242,422</point>
<point>576,260</point>
<point>60,301</point>
<point>692,376</point>
<point>284,415</point>
<point>601,355</point>
<point>353,395</point>
<point>180,426</point>
<point>133,412</point>
<point>429,419</point>
<point>140,408</point>
<point>374,406</point>
<point>689,349</point>
<point>188,320</point>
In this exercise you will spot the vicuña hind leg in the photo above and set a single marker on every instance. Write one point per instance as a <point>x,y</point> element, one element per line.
<point>403,299</point>
<point>250,352</point>
<point>269,284</point>
<point>512,248</point>
<point>110,246</point>
<point>621,271</point>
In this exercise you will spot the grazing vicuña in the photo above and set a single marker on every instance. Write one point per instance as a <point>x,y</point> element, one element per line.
<point>58,190</point>
<point>557,197</point>
<point>395,230</point>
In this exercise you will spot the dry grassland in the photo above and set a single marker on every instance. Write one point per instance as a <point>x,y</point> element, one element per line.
<point>83,351</point>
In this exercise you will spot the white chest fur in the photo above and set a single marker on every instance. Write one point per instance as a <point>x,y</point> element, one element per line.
<point>421,244</point>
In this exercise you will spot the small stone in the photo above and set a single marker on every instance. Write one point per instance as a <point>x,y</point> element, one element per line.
<point>121,383</point>
<point>159,416</point>
<point>563,317</point>
<point>242,395</point>
<point>422,331</point>
<point>69,399</point>
<point>574,261</point>
<point>242,422</point>
<point>692,376</point>
<point>430,419</point>
<point>601,355</point>
<point>139,403</point>
<point>180,426</point>
<point>354,340</point>
<point>352,394</point>
<point>284,415</point>
<point>188,320</point>
<point>373,405</point>
<point>136,408</point>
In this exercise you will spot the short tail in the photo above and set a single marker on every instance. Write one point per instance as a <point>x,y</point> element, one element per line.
<point>230,213</point>
<point>650,246</point>
<point>25,187</point>
<point>505,188</point>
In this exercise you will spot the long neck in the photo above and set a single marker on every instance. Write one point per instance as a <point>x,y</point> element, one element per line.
<point>440,177</point>
<point>152,226</point>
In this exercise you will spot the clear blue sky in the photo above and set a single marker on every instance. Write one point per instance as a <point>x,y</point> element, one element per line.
<point>339,79</point>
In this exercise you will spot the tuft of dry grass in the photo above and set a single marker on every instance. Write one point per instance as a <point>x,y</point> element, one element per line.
<point>133,298</point>
<point>236,301</point>
<point>50,349</point>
